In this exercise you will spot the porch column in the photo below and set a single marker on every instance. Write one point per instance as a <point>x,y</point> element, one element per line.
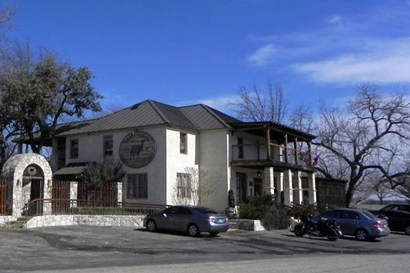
<point>288,187</point>
<point>279,187</point>
<point>119,193</point>
<point>269,180</point>
<point>73,194</point>
<point>299,190</point>
<point>312,188</point>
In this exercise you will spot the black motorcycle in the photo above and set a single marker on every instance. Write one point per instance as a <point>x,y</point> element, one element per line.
<point>317,226</point>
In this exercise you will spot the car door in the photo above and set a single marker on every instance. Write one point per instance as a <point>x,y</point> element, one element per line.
<point>349,222</point>
<point>167,220</point>
<point>181,218</point>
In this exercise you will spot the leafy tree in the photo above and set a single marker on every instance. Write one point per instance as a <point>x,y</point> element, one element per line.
<point>37,91</point>
<point>97,175</point>
<point>367,137</point>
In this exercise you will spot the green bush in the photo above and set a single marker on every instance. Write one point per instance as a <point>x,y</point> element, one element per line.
<point>272,214</point>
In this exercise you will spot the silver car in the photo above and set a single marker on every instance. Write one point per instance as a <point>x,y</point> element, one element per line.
<point>190,219</point>
<point>359,223</point>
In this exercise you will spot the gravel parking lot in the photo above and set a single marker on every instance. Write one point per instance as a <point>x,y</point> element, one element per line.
<point>89,247</point>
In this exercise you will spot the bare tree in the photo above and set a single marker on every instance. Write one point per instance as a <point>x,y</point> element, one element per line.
<point>197,189</point>
<point>360,139</point>
<point>257,105</point>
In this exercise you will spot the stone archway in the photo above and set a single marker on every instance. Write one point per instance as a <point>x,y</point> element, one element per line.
<point>29,177</point>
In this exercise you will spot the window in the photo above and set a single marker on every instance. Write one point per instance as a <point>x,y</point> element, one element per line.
<point>108,145</point>
<point>240,148</point>
<point>137,186</point>
<point>183,145</point>
<point>183,185</point>
<point>74,148</point>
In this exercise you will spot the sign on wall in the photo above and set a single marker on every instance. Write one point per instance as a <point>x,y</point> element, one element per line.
<point>137,149</point>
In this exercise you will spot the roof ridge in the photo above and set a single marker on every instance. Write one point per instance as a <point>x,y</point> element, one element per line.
<point>215,115</point>
<point>159,112</point>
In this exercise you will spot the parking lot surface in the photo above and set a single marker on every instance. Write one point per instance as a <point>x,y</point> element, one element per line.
<point>60,248</point>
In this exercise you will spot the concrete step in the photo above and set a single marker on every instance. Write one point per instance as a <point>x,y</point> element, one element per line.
<point>18,224</point>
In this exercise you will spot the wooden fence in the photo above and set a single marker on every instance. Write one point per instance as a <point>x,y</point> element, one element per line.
<point>3,196</point>
<point>105,196</point>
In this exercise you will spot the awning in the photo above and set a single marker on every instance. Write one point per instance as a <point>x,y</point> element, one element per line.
<point>74,170</point>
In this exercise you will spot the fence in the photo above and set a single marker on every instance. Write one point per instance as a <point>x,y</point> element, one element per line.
<point>106,196</point>
<point>3,196</point>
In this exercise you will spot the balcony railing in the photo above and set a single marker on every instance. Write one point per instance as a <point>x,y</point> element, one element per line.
<point>259,153</point>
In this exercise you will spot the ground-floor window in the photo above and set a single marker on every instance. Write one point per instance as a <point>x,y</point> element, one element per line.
<point>183,185</point>
<point>137,186</point>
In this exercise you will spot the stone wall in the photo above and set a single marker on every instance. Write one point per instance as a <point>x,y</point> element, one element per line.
<point>134,221</point>
<point>5,219</point>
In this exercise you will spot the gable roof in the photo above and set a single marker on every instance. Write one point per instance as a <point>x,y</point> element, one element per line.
<point>149,113</point>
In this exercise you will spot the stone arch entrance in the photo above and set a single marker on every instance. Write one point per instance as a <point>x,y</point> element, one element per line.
<point>29,177</point>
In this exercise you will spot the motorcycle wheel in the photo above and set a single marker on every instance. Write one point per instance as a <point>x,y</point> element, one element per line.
<point>298,230</point>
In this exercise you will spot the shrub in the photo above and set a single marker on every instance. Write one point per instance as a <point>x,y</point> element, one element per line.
<point>272,214</point>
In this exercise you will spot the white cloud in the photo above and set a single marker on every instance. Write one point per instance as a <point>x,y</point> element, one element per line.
<point>383,63</point>
<point>263,55</point>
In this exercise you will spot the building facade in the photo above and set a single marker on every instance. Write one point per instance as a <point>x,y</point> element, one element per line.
<point>192,154</point>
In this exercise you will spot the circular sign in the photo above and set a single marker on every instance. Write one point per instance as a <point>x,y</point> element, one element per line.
<point>137,149</point>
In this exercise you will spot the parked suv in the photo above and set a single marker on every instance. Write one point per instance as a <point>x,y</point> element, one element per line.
<point>397,215</point>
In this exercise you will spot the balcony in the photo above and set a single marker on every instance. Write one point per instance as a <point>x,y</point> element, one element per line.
<point>256,155</point>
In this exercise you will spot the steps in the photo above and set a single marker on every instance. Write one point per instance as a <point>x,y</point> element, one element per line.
<point>18,224</point>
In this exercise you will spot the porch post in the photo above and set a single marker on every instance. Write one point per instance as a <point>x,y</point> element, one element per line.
<point>312,188</point>
<point>279,187</point>
<point>269,183</point>
<point>299,190</point>
<point>73,194</point>
<point>119,193</point>
<point>288,187</point>
<point>268,152</point>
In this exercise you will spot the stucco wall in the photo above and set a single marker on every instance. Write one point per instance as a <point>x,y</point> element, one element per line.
<point>177,162</point>
<point>91,149</point>
<point>214,161</point>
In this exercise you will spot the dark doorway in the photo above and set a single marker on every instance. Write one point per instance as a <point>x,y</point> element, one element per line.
<point>257,184</point>
<point>242,187</point>
<point>36,189</point>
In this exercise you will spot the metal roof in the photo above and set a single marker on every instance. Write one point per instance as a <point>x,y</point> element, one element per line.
<point>148,113</point>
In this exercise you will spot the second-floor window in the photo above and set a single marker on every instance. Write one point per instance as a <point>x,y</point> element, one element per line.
<point>108,145</point>
<point>183,144</point>
<point>74,148</point>
<point>240,148</point>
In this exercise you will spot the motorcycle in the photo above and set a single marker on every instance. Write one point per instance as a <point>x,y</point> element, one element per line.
<point>317,226</point>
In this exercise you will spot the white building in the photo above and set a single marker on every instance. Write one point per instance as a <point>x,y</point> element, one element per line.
<point>165,149</point>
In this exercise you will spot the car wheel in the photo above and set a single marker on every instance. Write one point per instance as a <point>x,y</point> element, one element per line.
<point>193,230</point>
<point>213,234</point>
<point>361,235</point>
<point>151,225</point>
<point>407,230</point>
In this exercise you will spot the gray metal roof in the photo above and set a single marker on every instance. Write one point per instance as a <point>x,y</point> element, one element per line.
<point>148,113</point>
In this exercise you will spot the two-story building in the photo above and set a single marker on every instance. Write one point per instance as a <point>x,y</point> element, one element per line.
<point>167,150</point>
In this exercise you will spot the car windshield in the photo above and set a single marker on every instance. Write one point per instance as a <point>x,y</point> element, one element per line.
<point>204,210</point>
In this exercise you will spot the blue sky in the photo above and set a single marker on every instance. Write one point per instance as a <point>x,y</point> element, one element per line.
<point>187,52</point>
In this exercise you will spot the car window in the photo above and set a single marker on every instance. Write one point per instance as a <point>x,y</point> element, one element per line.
<point>171,210</point>
<point>350,215</point>
<point>404,207</point>
<point>369,215</point>
<point>184,211</point>
<point>332,214</point>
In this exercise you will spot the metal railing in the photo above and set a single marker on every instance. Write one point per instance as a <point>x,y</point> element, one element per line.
<point>70,206</point>
<point>258,152</point>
